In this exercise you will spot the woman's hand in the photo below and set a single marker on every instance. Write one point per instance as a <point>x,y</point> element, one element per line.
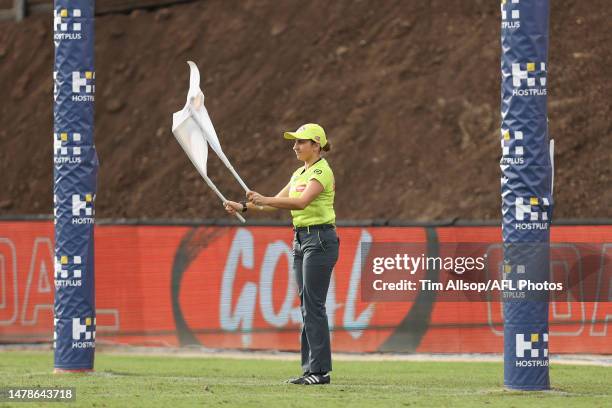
<point>232,207</point>
<point>257,198</point>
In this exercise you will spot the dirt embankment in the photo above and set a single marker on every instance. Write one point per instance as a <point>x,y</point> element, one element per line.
<point>407,91</point>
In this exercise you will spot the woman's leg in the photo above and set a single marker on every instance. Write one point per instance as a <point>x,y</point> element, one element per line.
<point>320,253</point>
<point>298,273</point>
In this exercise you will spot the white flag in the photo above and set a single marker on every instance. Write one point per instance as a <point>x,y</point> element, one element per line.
<point>192,128</point>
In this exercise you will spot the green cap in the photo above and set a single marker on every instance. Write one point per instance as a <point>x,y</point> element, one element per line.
<point>309,131</point>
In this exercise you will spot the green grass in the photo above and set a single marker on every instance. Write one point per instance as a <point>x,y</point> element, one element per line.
<point>155,381</point>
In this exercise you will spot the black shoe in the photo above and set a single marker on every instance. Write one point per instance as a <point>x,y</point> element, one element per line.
<point>313,379</point>
<point>296,380</point>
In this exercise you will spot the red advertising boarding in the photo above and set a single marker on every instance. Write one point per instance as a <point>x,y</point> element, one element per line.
<point>232,287</point>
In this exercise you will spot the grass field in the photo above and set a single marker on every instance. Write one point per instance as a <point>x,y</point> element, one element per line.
<point>155,381</point>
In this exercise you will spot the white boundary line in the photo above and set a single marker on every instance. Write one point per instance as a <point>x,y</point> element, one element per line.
<point>192,352</point>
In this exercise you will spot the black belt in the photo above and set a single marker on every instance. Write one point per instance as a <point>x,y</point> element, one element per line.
<point>314,227</point>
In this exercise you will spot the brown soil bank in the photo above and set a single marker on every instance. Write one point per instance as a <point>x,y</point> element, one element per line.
<point>408,92</point>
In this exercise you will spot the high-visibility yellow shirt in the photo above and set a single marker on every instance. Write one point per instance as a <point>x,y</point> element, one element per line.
<point>321,209</point>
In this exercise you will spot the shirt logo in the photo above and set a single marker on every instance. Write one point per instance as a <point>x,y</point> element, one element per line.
<point>318,171</point>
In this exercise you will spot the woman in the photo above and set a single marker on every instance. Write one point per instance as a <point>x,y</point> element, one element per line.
<point>310,197</point>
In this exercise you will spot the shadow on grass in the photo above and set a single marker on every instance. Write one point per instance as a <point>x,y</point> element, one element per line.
<point>113,373</point>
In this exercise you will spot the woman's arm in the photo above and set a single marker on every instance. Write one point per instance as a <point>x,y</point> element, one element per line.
<point>313,189</point>
<point>283,193</point>
<point>231,206</point>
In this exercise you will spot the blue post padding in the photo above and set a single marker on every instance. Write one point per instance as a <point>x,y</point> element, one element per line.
<point>74,189</point>
<point>526,187</point>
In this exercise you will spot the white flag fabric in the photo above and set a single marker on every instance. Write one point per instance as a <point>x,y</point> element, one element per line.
<point>197,96</point>
<point>189,136</point>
